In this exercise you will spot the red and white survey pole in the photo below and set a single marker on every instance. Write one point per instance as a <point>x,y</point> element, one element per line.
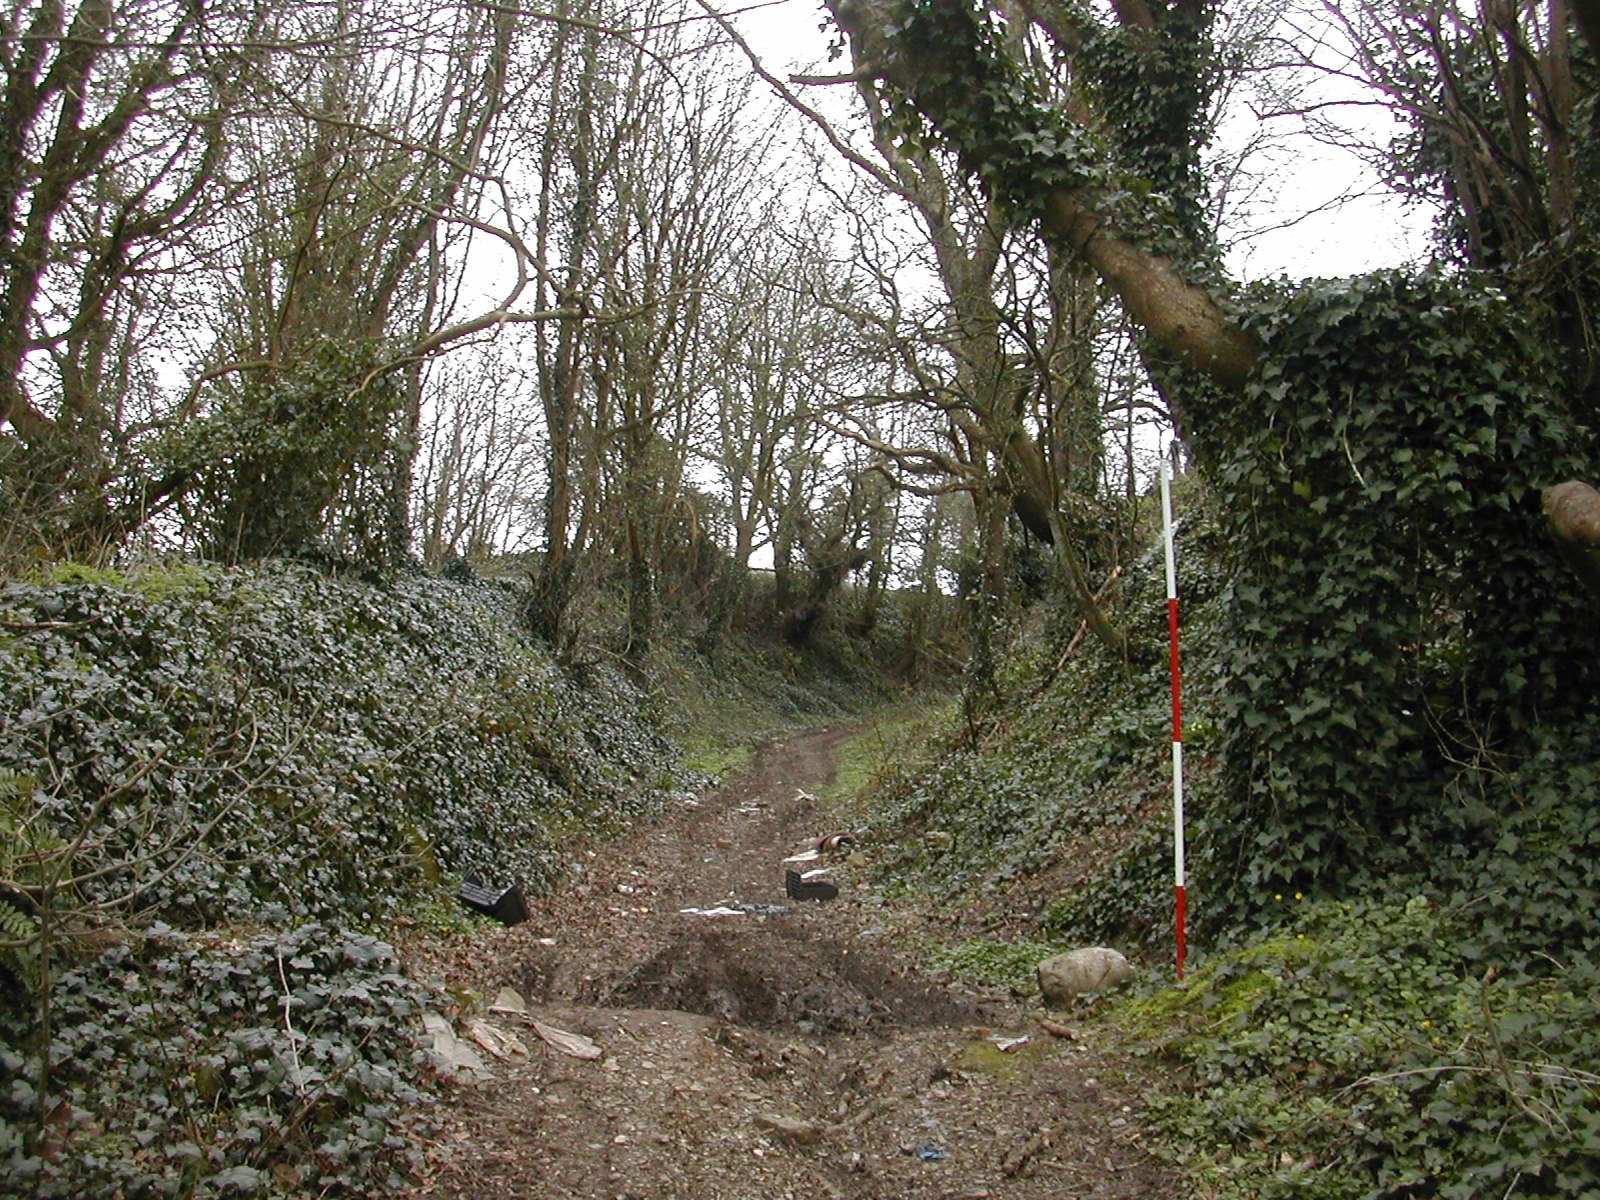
<point>1181,898</point>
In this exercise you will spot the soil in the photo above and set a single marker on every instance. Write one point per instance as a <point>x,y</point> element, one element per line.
<point>800,1050</point>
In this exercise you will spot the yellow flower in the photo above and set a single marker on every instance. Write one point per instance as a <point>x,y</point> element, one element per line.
<point>1299,895</point>
<point>1278,896</point>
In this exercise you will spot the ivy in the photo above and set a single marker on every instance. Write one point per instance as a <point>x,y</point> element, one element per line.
<point>227,750</point>
<point>959,85</point>
<point>1362,1054</point>
<point>284,738</point>
<point>1069,773</point>
<point>1396,616</point>
<point>291,449</point>
<point>184,1065</point>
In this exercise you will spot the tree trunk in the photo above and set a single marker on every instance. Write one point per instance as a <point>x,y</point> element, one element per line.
<point>1572,510</point>
<point>1184,320</point>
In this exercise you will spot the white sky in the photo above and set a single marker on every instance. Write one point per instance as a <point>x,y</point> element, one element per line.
<point>1361,234</point>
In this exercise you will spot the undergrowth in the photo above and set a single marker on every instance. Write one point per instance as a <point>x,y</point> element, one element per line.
<point>717,702</point>
<point>1067,777</point>
<point>1423,1024</point>
<point>277,750</point>
<point>890,742</point>
<point>1012,965</point>
<point>1364,1050</point>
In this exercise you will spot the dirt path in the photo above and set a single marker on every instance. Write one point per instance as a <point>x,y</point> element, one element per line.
<point>780,1056</point>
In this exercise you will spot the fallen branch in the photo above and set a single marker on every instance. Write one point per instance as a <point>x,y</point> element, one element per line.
<point>1100,597</point>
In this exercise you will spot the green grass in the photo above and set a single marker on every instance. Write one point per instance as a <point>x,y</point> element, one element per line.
<point>889,742</point>
<point>719,761</point>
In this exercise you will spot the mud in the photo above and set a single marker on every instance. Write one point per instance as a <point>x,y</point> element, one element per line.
<point>799,1053</point>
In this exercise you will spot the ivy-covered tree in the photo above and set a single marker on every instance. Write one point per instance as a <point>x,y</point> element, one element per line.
<point>337,272</point>
<point>1379,445</point>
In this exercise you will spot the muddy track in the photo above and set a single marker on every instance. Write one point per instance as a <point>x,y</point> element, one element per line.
<point>770,1055</point>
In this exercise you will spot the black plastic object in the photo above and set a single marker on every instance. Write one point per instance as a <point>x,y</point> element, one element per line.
<point>506,906</point>
<point>798,888</point>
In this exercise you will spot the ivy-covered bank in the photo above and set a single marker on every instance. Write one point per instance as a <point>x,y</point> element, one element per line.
<point>270,766</point>
<point>1060,794</point>
<point>1364,1017</point>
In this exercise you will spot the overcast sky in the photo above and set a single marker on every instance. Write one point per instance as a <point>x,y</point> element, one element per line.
<point>1297,234</point>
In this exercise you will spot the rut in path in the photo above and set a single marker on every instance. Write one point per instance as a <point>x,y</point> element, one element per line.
<point>794,1054</point>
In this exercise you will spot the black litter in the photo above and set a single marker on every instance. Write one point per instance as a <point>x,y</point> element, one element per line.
<point>506,905</point>
<point>796,887</point>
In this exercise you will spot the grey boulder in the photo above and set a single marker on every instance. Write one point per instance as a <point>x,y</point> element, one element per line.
<point>1092,969</point>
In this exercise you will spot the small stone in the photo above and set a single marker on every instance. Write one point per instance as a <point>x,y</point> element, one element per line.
<point>792,1128</point>
<point>1094,969</point>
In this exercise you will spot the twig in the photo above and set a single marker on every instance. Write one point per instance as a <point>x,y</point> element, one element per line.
<point>34,626</point>
<point>288,1027</point>
<point>1100,597</point>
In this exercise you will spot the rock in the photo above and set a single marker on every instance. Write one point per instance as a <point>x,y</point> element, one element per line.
<point>510,1002</point>
<point>1093,969</point>
<point>792,1128</point>
<point>496,1041</point>
<point>574,1044</point>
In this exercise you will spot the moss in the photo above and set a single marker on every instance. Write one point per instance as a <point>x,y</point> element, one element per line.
<point>981,1056</point>
<point>1222,993</point>
<point>153,583</point>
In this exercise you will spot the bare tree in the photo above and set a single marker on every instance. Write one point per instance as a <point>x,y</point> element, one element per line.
<point>362,154</point>
<point>111,131</point>
<point>480,456</point>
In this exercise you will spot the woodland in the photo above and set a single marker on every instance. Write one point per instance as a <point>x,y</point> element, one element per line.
<point>431,432</point>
